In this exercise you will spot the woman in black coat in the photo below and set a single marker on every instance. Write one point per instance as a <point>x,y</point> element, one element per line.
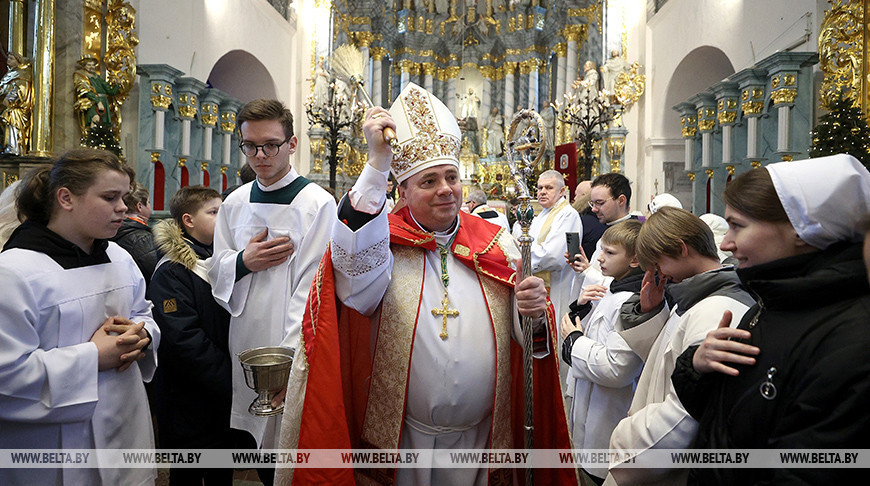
<point>795,374</point>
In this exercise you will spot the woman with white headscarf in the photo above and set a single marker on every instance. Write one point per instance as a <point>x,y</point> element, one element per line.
<point>719,227</point>
<point>795,374</point>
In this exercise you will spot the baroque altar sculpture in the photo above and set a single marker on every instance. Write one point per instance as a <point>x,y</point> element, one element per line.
<point>611,69</point>
<point>16,96</point>
<point>92,100</point>
<point>494,133</point>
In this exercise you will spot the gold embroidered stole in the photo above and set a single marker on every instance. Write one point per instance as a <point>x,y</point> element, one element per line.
<point>548,223</point>
<point>385,409</point>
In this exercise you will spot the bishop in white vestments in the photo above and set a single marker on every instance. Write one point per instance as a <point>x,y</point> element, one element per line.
<point>436,287</point>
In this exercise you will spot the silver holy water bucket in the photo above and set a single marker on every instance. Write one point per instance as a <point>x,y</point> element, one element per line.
<point>266,372</point>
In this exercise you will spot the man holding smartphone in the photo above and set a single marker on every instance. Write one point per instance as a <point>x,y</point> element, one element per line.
<point>548,250</point>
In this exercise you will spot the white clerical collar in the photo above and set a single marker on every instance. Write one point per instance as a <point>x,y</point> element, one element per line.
<point>281,183</point>
<point>441,237</point>
<point>627,216</point>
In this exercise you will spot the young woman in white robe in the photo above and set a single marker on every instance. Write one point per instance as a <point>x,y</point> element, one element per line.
<point>78,336</point>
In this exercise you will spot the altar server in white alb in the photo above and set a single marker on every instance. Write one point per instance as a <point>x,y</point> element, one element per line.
<point>77,335</point>
<point>269,237</point>
<point>548,250</point>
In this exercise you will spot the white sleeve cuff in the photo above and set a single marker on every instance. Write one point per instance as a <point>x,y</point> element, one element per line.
<point>370,190</point>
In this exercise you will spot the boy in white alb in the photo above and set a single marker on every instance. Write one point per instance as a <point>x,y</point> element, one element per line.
<point>603,367</point>
<point>673,246</point>
<point>269,237</point>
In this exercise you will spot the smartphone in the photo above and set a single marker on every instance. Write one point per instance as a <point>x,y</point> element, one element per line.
<point>573,241</point>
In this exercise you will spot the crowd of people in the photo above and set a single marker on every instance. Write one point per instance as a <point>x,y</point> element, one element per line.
<point>664,331</point>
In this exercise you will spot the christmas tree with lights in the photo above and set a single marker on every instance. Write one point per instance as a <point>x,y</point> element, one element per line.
<point>843,130</point>
<point>101,136</point>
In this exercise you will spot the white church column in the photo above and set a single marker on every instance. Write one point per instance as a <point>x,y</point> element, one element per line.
<point>226,148</point>
<point>572,34</point>
<point>561,69</point>
<point>689,127</point>
<point>364,40</point>
<point>509,103</point>
<point>783,129</point>
<point>428,73</point>
<point>185,137</point>
<point>405,69</point>
<point>727,96</point>
<point>206,142</point>
<point>485,96</point>
<point>751,83</point>
<point>228,109</point>
<point>451,94</point>
<point>532,67</point>
<point>790,73</point>
<point>705,105</point>
<point>378,54</point>
<point>159,128</point>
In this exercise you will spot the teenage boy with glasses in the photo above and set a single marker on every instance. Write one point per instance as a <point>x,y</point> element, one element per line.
<point>259,227</point>
<point>610,200</point>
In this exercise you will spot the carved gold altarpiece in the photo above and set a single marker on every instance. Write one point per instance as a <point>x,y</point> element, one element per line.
<point>109,34</point>
<point>844,53</point>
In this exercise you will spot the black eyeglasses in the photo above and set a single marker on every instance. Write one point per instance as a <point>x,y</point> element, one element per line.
<point>270,149</point>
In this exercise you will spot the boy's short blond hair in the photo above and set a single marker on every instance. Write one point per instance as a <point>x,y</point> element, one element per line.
<point>623,234</point>
<point>662,234</point>
<point>189,200</point>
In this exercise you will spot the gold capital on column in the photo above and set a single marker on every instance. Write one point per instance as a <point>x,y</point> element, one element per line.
<point>43,78</point>
<point>364,38</point>
<point>378,53</point>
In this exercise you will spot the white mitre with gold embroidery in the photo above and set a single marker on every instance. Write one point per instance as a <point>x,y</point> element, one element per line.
<point>426,131</point>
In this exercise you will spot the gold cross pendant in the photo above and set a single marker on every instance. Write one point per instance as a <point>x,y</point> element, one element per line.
<point>444,312</point>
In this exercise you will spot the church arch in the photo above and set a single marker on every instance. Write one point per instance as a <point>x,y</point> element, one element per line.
<point>698,70</point>
<point>241,75</point>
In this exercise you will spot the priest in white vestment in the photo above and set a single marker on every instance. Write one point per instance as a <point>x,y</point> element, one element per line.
<point>431,294</point>
<point>548,229</point>
<point>269,236</point>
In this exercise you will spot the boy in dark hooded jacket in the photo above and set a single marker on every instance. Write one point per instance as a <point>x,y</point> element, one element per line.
<point>193,386</point>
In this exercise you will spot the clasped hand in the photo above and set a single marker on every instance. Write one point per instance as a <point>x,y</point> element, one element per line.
<point>119,343</point>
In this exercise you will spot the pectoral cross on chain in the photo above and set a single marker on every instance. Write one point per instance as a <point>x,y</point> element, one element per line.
<point>444,312</point>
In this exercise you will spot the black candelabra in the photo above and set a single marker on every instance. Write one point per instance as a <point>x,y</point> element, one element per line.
<point>337,114</point>
<point>588,116</point>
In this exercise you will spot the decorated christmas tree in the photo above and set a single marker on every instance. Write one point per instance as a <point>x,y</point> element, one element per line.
<point>843,130</point>
<point>100,136</point>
